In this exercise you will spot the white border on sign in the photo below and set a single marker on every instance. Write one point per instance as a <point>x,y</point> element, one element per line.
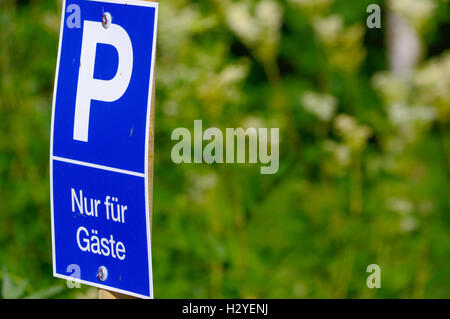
<point>146,172</point>
<point>105,168</point>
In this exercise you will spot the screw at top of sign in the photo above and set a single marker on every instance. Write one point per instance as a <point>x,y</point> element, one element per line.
<point>102,273</point>
<point>106,20</point>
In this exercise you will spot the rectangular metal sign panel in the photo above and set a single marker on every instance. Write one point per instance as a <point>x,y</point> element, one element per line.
<point>99,145</point>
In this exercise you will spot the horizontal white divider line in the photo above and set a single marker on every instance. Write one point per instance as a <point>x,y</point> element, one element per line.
<point>106,168</point>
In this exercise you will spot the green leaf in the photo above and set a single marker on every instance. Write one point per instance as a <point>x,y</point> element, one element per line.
<point>11,290</point>
<point>46,292</point>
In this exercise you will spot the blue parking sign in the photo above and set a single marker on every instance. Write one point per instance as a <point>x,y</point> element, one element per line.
<point>100,143</point>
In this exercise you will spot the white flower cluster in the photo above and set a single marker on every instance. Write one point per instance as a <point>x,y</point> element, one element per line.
<point>403,115</point>
<point>430,87</point>
<point>353,134</point>
<point>175,27</point>
<point>408,211</point>
<point>323,106</point>
<point>354,137</point>
<point>343,44</point>
<point>258,30</point>
<point>242,23</point>
<point>392,87</point>
<point>200,185</point>
<point>233,73</point>
<point>433,84</point>
<point>417,12</point>
<point>222,86</point>
<point>341,153</point>
<point>329,29</point>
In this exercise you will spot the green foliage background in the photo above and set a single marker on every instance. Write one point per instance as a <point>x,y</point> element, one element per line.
<point>364,152</point>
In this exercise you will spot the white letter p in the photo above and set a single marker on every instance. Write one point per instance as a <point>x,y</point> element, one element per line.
<point>95,89</point>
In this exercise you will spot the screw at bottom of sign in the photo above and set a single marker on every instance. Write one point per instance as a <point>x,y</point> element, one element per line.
<point>102,273</point>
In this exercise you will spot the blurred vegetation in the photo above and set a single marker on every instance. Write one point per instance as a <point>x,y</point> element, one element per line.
<point>364,152</point>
